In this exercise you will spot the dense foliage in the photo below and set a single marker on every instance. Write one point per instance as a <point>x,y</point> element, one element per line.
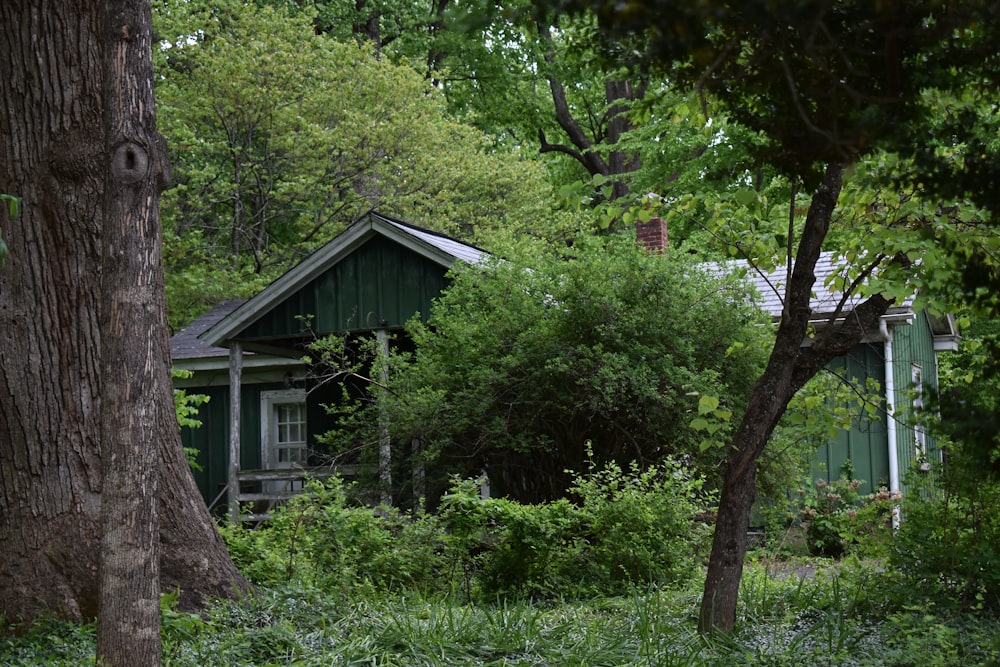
<point>280,138</point>
<point>339,584</point>
<point>948,546</point>
<point>528,360</point>
<point>623,528</point>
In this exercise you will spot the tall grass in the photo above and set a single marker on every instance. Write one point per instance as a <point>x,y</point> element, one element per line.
<point>494,584</point>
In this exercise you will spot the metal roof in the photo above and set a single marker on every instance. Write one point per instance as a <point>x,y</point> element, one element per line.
<point>456,249</point>
<point>825,297</point>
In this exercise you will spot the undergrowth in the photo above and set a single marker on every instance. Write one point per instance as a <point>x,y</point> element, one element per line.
<point>610,578</point>
<point>835,617</point>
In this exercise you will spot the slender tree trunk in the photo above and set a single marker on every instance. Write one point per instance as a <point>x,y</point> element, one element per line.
<point>789,368</point>
<point>783,376</point>
<point>53,154</point>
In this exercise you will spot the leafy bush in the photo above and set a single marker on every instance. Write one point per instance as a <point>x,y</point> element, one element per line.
<point>186,407</point>
<point>525,360</point>
<point>626,528</point>
<point>321,538</point>
<point>948,546</point>
<point>645,523</point>
<point>838,520</point>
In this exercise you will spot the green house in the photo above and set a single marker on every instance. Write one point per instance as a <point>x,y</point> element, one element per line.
<point>902,358</point>
<point>261,423</point>
<point>264,414</point>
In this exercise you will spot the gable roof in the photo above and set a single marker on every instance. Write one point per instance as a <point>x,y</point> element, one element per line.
<point>437,248</point>
<point>825,297</point>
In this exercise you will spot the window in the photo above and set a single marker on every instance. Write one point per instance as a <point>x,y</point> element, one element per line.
<point>919,435</point>
<point>283,429</point>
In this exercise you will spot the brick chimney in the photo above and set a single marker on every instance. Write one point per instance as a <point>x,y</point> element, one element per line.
<point>652,235</point>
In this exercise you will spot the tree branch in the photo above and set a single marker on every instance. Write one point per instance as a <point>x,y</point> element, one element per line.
<point>587,156</point>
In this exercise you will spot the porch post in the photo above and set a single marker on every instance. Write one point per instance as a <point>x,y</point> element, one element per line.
<point>384,444</point>
<point>232,479</point>
<point>419,474</point>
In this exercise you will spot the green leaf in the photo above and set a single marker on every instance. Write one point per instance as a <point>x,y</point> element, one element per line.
<point>13,205</point>
<point>813,402</point>
<point>699,424</point>
<point>746,196</point>
<point>707,404</point>
<point>795,418</point>
<point>14,208</point>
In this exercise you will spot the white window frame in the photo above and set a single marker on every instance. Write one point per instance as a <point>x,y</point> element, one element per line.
<point>919,434</point>
<point>269,400</point>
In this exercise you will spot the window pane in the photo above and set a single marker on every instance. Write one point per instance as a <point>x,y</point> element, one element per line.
<point>287,433</point>
<point>290,422</point>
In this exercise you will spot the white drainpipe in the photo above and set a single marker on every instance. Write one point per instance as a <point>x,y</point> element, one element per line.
<point>890,426</point>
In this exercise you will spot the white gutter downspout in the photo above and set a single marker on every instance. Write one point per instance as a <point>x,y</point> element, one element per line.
<point>890,427</point>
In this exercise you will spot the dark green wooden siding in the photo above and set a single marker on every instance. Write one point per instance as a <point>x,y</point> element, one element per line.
<point>866,443</point>
<point>211,439</point>
<point>911,345</point>
<point>381,284</point>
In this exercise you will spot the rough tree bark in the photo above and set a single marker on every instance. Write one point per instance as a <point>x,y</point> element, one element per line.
<point>53,154</point>
<point>134,358</point>
<point>789,367</point>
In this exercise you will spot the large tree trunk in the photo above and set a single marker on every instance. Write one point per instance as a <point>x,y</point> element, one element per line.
<point>134,358</point>
<point>53,155</point>
<point>789,367</point>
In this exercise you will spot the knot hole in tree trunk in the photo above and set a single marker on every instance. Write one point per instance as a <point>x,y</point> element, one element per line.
<point>130,163</point>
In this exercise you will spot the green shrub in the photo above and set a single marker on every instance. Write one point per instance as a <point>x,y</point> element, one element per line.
<point>838,520</point>
<point>644,521</point>
<point>625,528</point>
<point>526,360</point>
<point>948,545</point>
<point>321,538</point>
